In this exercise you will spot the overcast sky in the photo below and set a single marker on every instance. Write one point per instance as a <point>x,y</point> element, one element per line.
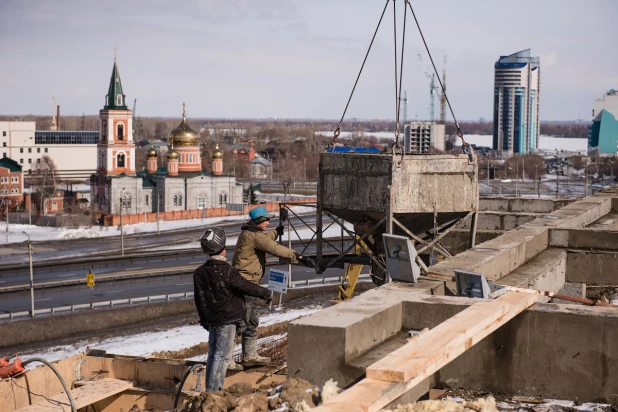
<point>296,59</point>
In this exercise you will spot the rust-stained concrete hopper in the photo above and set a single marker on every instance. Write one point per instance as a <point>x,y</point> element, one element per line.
<point>407,194</point>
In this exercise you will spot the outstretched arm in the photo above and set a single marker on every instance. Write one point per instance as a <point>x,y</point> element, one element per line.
<point>264,243</point>
<point>242,285</point>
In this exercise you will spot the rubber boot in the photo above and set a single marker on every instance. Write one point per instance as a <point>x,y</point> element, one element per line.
<point>229,359</point>
<point>249,353</point>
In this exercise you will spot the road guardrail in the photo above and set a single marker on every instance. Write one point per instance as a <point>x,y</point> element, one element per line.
<point>155,298</point>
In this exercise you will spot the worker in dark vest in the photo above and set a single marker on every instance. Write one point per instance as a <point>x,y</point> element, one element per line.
<point>219,293</point>
<point>253,244</point>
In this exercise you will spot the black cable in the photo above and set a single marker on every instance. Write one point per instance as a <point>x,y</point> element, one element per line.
<point>459,132</point>
<point>51,401</point>
<point>403,43</point>
<point>60,378</point>
<point>338,130</point>
<point>182,382</point>
<point>396,88</point>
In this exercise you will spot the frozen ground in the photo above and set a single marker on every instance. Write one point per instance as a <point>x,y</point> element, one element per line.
<point>173,339</point>
<point>41,233</point>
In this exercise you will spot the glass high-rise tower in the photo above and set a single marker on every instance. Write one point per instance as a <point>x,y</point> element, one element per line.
<point>517,84</point>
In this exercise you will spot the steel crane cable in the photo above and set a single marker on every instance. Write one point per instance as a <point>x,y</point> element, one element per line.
<point>464,145</point>
<point>397,144</point>
<point>338,129</point>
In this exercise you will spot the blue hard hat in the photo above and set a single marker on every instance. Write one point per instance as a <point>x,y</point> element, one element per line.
<point>259,212</point>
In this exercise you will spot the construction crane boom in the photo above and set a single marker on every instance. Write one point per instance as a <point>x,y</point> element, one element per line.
<point>443,96</point>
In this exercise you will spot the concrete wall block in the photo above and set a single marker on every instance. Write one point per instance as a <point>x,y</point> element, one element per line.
<point>585,239</point>
<point>549,350</point>
<point>316,354</point>
<point>593,268</point>
<point>554,351</point>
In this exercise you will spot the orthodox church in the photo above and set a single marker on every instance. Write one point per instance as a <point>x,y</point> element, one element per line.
<point>180,186</point>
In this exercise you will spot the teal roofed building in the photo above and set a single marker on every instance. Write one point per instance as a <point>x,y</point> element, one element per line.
<point>603,133</point>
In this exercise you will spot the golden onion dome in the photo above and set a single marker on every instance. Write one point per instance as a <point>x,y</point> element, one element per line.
<point>172,154</point>
<point>151,152</point>
<point>217,154</point>
<point>184,135</point>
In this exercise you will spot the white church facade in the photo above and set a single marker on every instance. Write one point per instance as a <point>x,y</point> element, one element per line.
<point>181,185</point>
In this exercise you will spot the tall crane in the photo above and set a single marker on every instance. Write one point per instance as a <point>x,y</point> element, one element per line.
<point>432,91</point>
<point>443,96</point>
<point>53,125</point>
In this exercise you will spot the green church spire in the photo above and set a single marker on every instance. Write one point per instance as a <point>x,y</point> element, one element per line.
<point>115,100</point>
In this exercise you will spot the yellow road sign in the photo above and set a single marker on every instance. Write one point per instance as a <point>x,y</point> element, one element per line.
<point>90,279</point>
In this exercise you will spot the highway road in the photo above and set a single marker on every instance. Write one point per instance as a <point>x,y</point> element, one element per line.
<point>70,248</point>
<point>140,276</point>
<point>125,289</point>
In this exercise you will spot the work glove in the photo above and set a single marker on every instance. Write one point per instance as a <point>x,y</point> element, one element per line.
<point>279,230</point>
<point>305,261</point>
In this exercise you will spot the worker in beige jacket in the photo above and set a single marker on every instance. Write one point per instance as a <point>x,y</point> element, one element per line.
<point>253,244</point>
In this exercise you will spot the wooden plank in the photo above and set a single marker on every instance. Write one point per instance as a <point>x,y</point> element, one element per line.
<point>451,338</point>
<point>83,396</point>
<point>477,321</point>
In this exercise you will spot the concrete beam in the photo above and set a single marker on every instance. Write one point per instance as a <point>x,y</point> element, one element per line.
<point>599,268</point>
<point>557,351</point>
<point>546,271</point>
<point>321,345</point>
<point>521,204</point>
<point>458,240</point>
<point>501,220</point>
<point>500,256</point>
<point>607,222</point>
<point>584,239</point>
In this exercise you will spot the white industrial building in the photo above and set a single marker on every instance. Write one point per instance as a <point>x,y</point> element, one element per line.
<point>73,152</point>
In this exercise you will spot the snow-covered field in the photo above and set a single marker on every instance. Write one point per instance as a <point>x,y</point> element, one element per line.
<point>144,344</point>
<point>548,143</point>
<point>41,233</point>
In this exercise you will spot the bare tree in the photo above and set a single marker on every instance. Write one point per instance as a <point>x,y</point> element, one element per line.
<point>44,180</point>
<point>287,174</point>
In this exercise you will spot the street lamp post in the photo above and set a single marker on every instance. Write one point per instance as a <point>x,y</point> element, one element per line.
<point>516,177</point>
<point>536,180</point>
<point>121,228</point>
<point>557,184</point>
<point>586,181</point>
<point>31,275</point>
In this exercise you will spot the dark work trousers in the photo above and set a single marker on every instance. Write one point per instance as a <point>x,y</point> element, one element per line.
<point>249,325</point>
